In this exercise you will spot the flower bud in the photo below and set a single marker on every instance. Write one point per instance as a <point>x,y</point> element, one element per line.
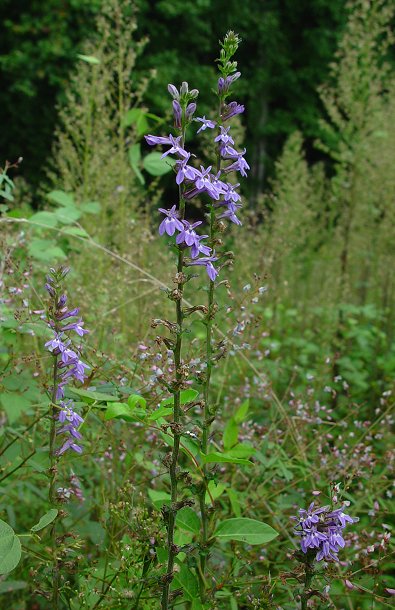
<point>177,111</point>
<point>190,110</point>
<point>184,88</point>
<point>193,93</point>
<point>173,92</point>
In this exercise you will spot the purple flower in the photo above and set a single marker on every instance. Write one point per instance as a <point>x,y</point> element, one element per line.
<point>153,140</point>
<point>231,110</point>
<point>240,165</point>
<point>198,248</point>
<point>188,234</point>
<point>185,171</point>
<point>206,123</point>
<point>204,182</point>
<point>207,262</point>
<point>173,92</point>
<point>171,222</point>
<point>322,530</point>
<point>190,110</point>
<point>176,148</point>
<point>77,327</point>
<point>224,83</point>
<point>177,111</point>
<point>69,444</point>
<point>223,137</point>
<point>230,214</point>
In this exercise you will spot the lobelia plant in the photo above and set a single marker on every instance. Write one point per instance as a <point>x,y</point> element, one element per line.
<point>64,421</point>
<point>222,202</point>
<point>321,538</point>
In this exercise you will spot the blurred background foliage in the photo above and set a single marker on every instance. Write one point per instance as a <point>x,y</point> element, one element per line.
<point>284,57</point>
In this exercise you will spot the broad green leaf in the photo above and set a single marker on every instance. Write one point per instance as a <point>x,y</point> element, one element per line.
<point>234,501</point>
<point>44,250</point>
<point>90,396</point>
<point>68,215</point>
<point>8,586</point>
<point>241,412</point>
<point>216,490</point>
<point>61,198</point>
<point>45,520</point>
<point>161,412</point>
<point>185,579</point>
<point>188,520</point>
<point>186,396</point>
<point>10,548</point>
<point>44,218</point>
<point>121,410</point>
<point>156,166</point>
<point>242,450</point>
<point>134,154</point>
<point>218,457</point>
<point>14,405</point>
<point>245,530</point>
<point>135,400</point>
<point>78,231</point>
<point>89,59</point>
<point>230,434</point>
<point>91,207</point>
<point>137,117</point>
<point>159,498</point>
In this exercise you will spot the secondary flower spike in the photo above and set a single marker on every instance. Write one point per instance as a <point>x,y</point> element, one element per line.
<point>321,530</point>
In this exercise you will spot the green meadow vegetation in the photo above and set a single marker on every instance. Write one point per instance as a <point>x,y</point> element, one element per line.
<point>212,410</point>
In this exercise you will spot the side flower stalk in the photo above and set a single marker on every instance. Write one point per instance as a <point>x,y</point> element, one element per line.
<point>64,421</point>
<point>198,250</point>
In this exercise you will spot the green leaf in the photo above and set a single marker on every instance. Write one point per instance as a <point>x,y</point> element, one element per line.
<point>241,412</point>
<point>218,457</point>
<point>45,520</point>
<point>45,250</point>
<point>137,117</point>
<point>185,397</point>
<point>44,218</point>
<point>10,548</point>
<point>121,410</point>
<point>245,530</point>
<point>78,231</point>
<point>8,586</point>
<point>156,166</point>
<point>68,215</point>
<point>62,198</point>
<point>134,154</point>
<point>230,435</point>
<point>241,450</point>
<point>161,412</point>
<point>91,207</point>
<point>136,400</point>
<point>89,59</point>
<point>14,405</point>
<point>185,579</point>
<point>216,490</point>
<point>159,498</point>
<point>90,396</point>
<point>188,520</point>
<point>234,501</point>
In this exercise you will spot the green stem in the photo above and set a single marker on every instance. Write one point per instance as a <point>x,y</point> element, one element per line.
<point>172,513</point>
<point>52,488</point>
<point>309,573</point>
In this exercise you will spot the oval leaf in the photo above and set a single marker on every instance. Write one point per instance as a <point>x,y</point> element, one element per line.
<point>90,59</point>
<point>45,520</point>
<point>245,530</point>
<point>90,396</point>
<point>10,548</point>
<point>156,166</point>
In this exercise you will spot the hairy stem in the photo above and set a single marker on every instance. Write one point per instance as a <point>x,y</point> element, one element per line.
<point>52,488</point>
<point>172,513</point>
<point>309,573</point>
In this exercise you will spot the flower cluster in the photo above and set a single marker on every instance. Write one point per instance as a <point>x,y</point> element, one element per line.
<point>68,363</point>
<point>321,530</point>
<point>196,182</point>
